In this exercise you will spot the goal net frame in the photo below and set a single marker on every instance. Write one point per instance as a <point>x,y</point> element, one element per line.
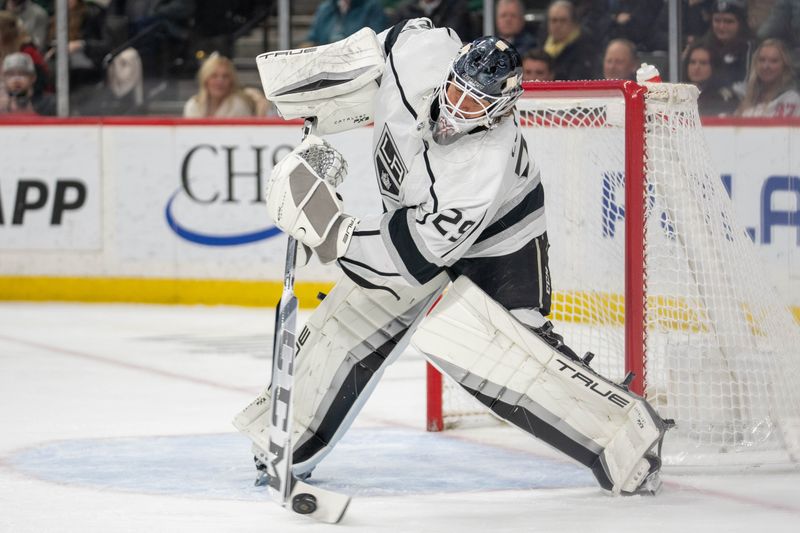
<point>668,185</point>
<point>633,96</point>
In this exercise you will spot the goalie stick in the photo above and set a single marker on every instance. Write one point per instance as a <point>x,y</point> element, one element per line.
<point>283,486</point>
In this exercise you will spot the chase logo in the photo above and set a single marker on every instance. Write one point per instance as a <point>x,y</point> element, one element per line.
<point>220,201</point>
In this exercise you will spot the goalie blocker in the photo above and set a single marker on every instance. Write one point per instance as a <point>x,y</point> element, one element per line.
<point>556,398</point>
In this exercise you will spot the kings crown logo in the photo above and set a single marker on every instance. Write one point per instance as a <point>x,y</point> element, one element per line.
<point>389,165</point>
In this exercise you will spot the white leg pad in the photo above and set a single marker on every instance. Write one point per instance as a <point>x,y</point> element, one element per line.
<point>341,353</point>
<point>504,365</point>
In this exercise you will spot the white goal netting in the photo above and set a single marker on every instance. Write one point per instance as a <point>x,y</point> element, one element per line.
<point>721,352</point>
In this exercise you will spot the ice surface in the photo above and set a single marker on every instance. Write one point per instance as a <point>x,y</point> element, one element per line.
<point>117,418</point>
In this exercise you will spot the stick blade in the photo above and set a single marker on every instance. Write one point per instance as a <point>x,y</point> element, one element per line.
<point>317,503</point>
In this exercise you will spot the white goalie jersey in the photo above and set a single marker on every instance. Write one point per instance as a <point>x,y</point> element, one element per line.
<point>478,197</point>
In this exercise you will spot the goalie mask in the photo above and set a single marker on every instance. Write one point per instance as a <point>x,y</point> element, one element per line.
<point>482,86</point>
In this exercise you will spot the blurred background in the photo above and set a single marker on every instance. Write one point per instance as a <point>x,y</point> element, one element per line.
<point>136,140</point>
<point>195,58</point>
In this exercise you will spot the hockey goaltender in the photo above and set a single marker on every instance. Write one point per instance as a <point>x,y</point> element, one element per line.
<point>463,210</point>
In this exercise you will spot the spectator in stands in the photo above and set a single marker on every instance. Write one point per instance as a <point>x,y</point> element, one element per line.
<point>510,21</point>
<point>783,23</point>
<point>219,93</point>
<point>17,94</point>
<point>695,23</point>
<point>771,89</point>
<point>595,19</point>
<point>262,106</point>
<point>620,60</point>
<point>696,18</point>
<point>537,66</point>
<point>698,69</point>
<point>216,23</point>
<point>730,40</point>
<point>593,16</point>
<point>168,23</point>
<point>88,42</point>
<point>13,39</point>
<point>125,84</point>
<point>336,19</point>
<point>33,17</point>
<point>452,14</point>
<point>758,11</point>
<point>572,52</point>
<point>174,15</point>
<point>635,20</point>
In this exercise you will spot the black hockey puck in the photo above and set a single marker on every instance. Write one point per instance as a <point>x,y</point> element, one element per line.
<point>304,503</point>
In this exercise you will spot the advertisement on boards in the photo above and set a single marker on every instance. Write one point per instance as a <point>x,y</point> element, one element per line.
<point>195,206</point>
<point>50,189</point>
<point>179,200</point>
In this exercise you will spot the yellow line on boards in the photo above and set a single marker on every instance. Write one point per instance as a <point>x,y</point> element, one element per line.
<point>579,307</point>
<point>157,291</point>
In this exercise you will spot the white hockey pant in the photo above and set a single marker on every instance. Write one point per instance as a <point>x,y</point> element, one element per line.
<point>341,353</point>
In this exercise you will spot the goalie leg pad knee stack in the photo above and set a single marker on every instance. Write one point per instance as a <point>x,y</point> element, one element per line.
<point>341,353</point>
<point>509,369</point>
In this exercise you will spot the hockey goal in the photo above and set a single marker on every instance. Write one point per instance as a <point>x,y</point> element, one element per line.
<point>651,273</point>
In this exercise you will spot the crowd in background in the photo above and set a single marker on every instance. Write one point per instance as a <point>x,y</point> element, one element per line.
<point>741,54</point>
